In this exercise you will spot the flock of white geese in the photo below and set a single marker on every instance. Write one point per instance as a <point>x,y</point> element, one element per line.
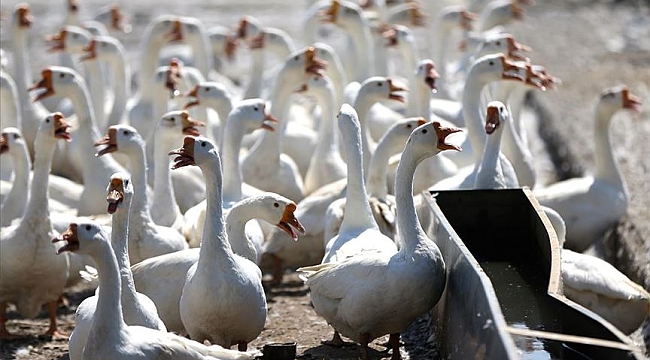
<point>151,192</point>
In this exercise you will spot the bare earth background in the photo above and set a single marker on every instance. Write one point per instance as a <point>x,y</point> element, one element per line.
<point>589,44</point>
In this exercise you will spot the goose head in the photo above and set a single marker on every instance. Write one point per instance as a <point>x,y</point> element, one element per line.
<point>56,80</point>
<point>56,125</point>
<point>196,150</point>
<point>502,43</point>
<point>426,71</point>
<point>191,30</point>
<point>497,115</point>
<point>101,48</point>
<point>620,97</point>
<point>496,67</point>
<point>319,87</point>
<point>408,14</point>
<point>304,62</point>
<point>222,41</point>
<point>168,78</point>
<point>399,132</point>
<point>277,209</point>
<point>113,18</point>
<point>452,17</point>
<point>122,138</point>
<point>538,77</point>
<point>274,40</point>
<point>396,35</point>
<point>177,123</point>
<point>252,114</point>
<point>431,138</point>
<point>502,12</point>
<point>379,88</point>
<point>22,17</point>
<point>71,39</point>
<point>85,237</point>
<point>119,192</point>
<point>248,27</point>
<point>209,93</point>
<point>344,14</point>
<point>175,34</point>
<point>11,141</point>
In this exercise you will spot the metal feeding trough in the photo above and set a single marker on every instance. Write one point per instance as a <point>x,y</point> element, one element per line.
<point>504,295</point>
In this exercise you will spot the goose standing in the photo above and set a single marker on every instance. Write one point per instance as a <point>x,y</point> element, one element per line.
<point>592,204</point>
<point>404,283</point>
<point>13,206</point>
<point>110,337</point>
<point>31,273</point>
<point>66,82</point>
<point>146,239</point>
<point>137,309</point>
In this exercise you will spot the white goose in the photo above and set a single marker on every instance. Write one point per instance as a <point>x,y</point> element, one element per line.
<point>113,19</point>
<point>13,206</point>
<point>216,96</point>
<point>326,164</point>
<point>137,309</point>
<point>170,130</point>
<point>9,117</point>
<point>67,83</point>
<point>31,273</point>
<point>489,172</point>
<point>235,290</point>
<point>404,283</point>
<point>382,203</point>
<point>248,115</point>
<point>592,204</point>
<point>146,239</point>
<point>110,337</point>
<point>172,268</point>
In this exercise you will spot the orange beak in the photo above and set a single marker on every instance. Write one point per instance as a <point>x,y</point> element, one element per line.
<point>467,19</point>
<point>115,194</point>
<point>110,140</point>
<point>57,40</point>
<point>185,153</point>
<point>190,125</point>
<point>69,236</point>
<point>492,120</point>
<point>630,101</point>
<point>395,88</point>
<point>90,51</point>
<point>25,18</point>
<point>314,65</point>
<point>45,83</point>
<point>176,33</point>
<point>289,223</point>
<point>3,143</point>
<point>329,15</point>
<point>442,133</point>
<point>195,94</point>
<point>431,76</point>
<point>61,127</point>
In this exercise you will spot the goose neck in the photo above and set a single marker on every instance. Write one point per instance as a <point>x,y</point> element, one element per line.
<point>108,320</point>
<point>236,221</point>
<point>471,101</point>
<point>232,174</point>
<point>121,73</point>
<point>378,169</point>
<point>96,87</point>
<point>215,248</point>
<point>148,60</point>
<point>368,145</point>
<point>408,225</point>
<point>119,243</point>
<point>490,169</point>
<point>607,167</point>
<point>199,45</point>
<point>140,203</point>
<point>328,144</point>
<point>39,194</point>
<point>254,89</point>
<point>164,199</point>
<point>362,41</point>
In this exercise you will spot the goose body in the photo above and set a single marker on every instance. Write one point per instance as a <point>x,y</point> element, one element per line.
<point>137,308</point>
<point>31,272</point>
<point>110,337</point>
<point>13,144</point>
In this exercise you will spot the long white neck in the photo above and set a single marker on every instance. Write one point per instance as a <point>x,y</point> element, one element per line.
<point>164,208</point>
<point>440,43</point>
<point>96,86</point>
<point>151,46</point>
<point>490,174</point>
<point>378,169</point>
<point>362,42</point>
<point>409,51</point>
<point>119,243</point>
<point>236,221</point>
<point>23,78</point>
<point>223,107</point>
<point>121,76</point>
<point>215,248</point>
<point>362,105</point>
<point>140,204</point>
<point>17,197</point>
<point>472,112</point>
<point>199,44</point>
<point>232,174</point>
<point>254,89</point>
<point>108,320</point>
<point>358,214</point>
<point>327,146</point>
<point>9,103</point>
<point>37,207</point>
<point>607,168</point>
<point>422,95</point>
<point>380,55</point>
<point>408,225</point>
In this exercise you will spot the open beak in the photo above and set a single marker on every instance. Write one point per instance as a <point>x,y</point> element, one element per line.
<point>314,65</point>
<point>90,51</point>
<point>185,154</point>
<point>115,195</point>
<point>329,15</point>
<point>511,70</point>
<point>631,102</point>
<point>61,127</point>
<point>269,121</point>
<point>4,147</point>
<point>467,20</point>
<point>431,76</point>
<point>190,125</point>
<point>390,34</point>
<point>176,33</point>
<point>45,83</point>
<point>257,41</point>
<point>172,77</point>
<point>517,11</point>
<point>25,18</point>
<point>395,88</point>
<point>231,47</point>
<point>492,120</point>
<point>418,18</point>
<point>442,133</point>
<point>242,28</point>
<point>514,48</point>
<point>195,94</point>
<point>57,41</point>
<point>70,237</point>
<point>117,20</point>
<point>110,140</point>
<point>289,223</point>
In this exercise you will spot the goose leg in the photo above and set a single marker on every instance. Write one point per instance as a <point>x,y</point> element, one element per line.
<point>364,339</point>
<point>337,341</point>
<point>4,334</point>
<point>53,331</point>
<point>393,340</point>
<point>242,346</point>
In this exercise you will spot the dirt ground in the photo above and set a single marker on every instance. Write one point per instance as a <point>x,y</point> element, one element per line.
<point>590,45</point>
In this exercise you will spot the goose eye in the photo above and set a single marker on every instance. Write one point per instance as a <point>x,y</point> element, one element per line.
<point>47,120</point>
<point>379,84</point>
<point>104,44</point>
<point>125,132</point>
<point>75,36</point>
<point>255,108</point>
<point>207,89</point>
<point>275,204</point>
<point>126,182</point>
<point>491,62</point>
<point>87,227</point>
<point>424,131</point>
<point>16,136</point>
<point>408,126</point>
<point>61,75</point>
<point>296,58</point>
<point>498,43</point>
<point>173,119</point>
<point>202,143</point>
